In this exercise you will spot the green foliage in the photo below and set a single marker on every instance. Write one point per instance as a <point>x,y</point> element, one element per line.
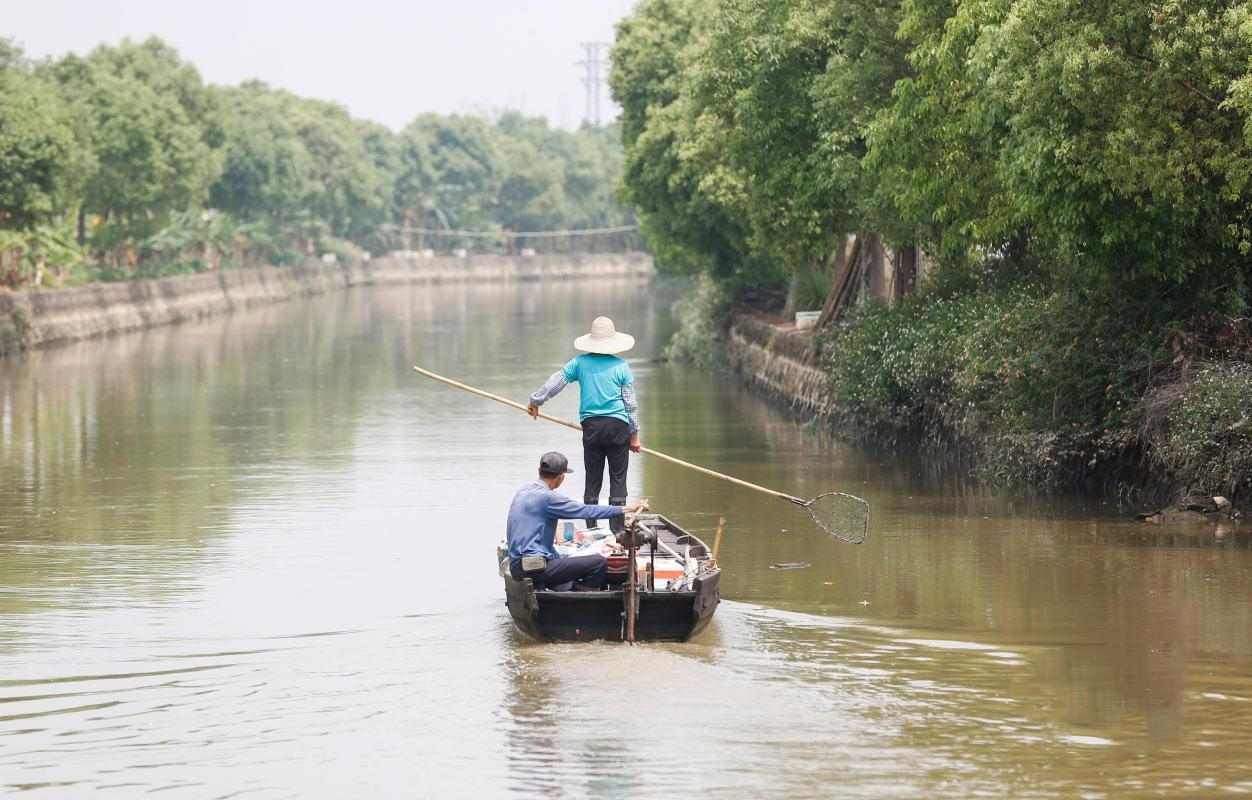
<point>675,171</point>
<point>809,287</point>
<point>1080,172</point>
<point>1105,144</point>
<point>193,241</point>
<point>304,167</point>
<point>701,315</point>
<point>36,141</point>
<point>1045,386</point>
<point>43,255</point>
<point>148,155</point>
<point>154,172</point>
<point>1207,441</point>
<point>267,172</point>
<point>795,86</point>
<point>1109,139</point>
<point>462,164</point>
<point>745,123</point>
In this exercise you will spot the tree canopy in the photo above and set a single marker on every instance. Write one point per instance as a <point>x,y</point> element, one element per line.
<point>1100,145</point>
<point>129,152</point>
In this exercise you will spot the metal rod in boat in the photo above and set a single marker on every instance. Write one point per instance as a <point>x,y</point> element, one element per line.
<point>631,595</point>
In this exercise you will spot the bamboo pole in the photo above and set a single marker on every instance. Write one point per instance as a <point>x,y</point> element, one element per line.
<point>665,457</point>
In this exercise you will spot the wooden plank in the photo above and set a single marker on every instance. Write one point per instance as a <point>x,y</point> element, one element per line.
<point>832,309</point>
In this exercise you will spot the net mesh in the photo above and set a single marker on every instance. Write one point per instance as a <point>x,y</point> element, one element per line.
<point>843,516</point>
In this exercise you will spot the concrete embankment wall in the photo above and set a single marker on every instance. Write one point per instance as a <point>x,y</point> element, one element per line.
<point>778,360</point>
<point>43,317</point>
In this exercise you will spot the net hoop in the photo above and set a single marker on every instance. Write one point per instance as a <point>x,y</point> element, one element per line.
<point>842,515</point>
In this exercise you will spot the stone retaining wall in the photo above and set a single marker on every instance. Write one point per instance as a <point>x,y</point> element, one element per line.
<point>777,359</point>
<point>43,317</point>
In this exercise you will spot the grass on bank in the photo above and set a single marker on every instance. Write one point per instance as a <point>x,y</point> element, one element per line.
<point>1045,388</point>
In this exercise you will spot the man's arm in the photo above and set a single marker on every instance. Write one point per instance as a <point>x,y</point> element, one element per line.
<point>632,411</point>
<point>550,389</point>
<point>562,507</point>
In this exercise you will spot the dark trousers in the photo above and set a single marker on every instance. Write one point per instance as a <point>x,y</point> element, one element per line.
<point>605,439</point>
<point>587,571</point>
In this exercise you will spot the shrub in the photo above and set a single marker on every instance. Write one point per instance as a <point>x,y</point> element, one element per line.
<point>1042,386</point>
<point>1207,438</point>
<point>343,250</point>
<point>700,315</point>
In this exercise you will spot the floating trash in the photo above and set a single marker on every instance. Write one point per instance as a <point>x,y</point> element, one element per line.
<point>790,565</point>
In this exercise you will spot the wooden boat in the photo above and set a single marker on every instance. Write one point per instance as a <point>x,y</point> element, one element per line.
<point>674,603</point>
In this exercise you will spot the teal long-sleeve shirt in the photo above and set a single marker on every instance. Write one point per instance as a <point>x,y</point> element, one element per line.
<point>607,388</point>
<point>533,516</point>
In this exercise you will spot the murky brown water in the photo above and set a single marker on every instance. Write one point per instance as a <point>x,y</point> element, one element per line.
<point>253,557</point>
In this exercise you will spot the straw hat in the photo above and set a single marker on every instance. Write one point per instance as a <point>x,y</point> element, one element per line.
<point>604,339</point>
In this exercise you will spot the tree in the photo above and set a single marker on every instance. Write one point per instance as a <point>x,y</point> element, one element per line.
<point>453,164</point>
<point>346,183</point>
<point>148,158</point>
<point>267,172</point>
<point>1124,140</point>
<point>36,146</point>
<point>157,65</point>
<point>755,78</point>
<point>1109,140</point>
<point>369,220</point>
<point>675,172</point>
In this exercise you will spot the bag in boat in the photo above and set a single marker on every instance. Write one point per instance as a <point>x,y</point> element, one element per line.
<point>534,564</point>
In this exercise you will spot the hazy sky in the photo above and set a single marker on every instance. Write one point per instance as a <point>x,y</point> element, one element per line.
<point>385,61</point>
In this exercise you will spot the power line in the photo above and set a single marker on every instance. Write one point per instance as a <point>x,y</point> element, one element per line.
<point>528,234</point>
<point>595,68</point>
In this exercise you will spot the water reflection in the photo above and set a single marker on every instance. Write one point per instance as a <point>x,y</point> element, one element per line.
<point>253,556</point>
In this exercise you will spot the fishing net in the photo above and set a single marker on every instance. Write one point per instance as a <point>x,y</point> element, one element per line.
<point>843,516</point>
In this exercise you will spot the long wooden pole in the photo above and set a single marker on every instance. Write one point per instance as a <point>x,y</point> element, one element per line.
<point>472,390</point>
<point>717,540</point>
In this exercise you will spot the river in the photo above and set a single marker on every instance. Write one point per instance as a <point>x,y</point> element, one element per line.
<point>253,556</point>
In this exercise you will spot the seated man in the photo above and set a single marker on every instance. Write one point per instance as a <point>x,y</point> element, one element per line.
<point>532,522</point>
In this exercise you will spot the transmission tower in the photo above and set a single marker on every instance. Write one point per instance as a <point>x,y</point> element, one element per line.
<point>594,67</point>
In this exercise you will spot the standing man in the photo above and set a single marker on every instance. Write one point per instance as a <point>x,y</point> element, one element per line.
<point>533,515</point>
<point>606,407</point>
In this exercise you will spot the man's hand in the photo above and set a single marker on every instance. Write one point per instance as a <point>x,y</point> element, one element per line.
<point>637,506</point>
<point>635,444</point>
<point>533,410</point>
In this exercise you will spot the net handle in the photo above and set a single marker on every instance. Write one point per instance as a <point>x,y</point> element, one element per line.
<point>803,503</point>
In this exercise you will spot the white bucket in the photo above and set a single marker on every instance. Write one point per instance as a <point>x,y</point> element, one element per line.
<point>806,319</point>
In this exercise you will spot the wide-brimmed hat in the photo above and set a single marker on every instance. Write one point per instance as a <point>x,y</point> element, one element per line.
<point>604,339</point>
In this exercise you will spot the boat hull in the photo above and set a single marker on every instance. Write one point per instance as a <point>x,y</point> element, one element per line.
<point>664,616</point>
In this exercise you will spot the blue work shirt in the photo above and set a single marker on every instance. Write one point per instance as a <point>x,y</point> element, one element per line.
<point>601,380</point>
<point>534,514</point>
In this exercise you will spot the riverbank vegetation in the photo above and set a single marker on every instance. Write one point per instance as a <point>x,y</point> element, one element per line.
<point>123,163</point>
<point>1076,177</point>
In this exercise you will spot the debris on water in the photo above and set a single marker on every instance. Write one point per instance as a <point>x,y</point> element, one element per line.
<point>864,602</point>
<point>790,565</point>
